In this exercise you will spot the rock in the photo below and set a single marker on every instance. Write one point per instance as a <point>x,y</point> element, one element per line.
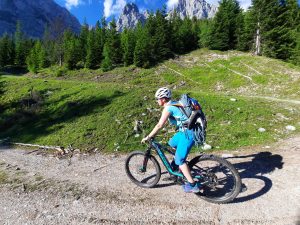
<point>117,147</point>
<point>233,100</point>
<point>137,129</point>
<point>182,83</point>
<point>137,135</point>
<point>261,129</point>
<point>149,109</point>
<point>206,147</point>
<point>290,128</point>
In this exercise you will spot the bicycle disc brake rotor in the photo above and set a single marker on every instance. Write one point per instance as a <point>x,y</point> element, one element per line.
<point>212,180</point>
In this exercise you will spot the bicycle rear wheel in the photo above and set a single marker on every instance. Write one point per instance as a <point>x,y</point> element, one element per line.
<point>221,182</point>
<point>142,170</point>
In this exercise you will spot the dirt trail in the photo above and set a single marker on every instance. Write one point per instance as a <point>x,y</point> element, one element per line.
<point>296,102</point>
<point>94,189</point>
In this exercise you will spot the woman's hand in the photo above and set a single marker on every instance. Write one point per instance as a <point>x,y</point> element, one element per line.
<point>145,139</point>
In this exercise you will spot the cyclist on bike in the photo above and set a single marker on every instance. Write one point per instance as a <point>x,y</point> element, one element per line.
<point>182,141</point>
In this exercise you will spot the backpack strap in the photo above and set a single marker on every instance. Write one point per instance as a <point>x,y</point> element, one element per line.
<point>181,108</point>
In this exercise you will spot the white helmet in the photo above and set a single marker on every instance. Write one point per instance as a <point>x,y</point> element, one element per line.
<point>163,92</point>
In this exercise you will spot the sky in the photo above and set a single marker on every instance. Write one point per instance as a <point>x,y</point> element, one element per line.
<point>93,10</point>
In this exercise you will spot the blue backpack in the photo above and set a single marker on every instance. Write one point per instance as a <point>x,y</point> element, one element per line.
<point>196,117</point>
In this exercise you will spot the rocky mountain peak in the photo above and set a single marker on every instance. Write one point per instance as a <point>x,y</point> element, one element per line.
<point>130,17</point>
<point>195,8</point>
<point>130,8</point>
<point>200,9</point>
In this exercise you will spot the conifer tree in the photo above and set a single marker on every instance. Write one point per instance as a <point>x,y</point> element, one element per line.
<point>42,57</point>
<point>188,35</point>
<point>159,39</point>
<point>91,58</point>
<point>6,51</point>
<point>295,57</point>
<point>224,28</point>
<point>20,46</point>
<point>177,45</point>
<point>100,32</point>
<point>49,47</point>
<point>204,33</point>
<point>142,51</point>
<point>56,31</point>
<point>294,21</point>
<point>83,40</point>
<point>128,42</point>
<point>36,59</point>
<point>286,29</point>
<point>247,36</point>
<point>107,63</point>
<point>72,53</point>
<point>276,23</point>
<point>113,52</point>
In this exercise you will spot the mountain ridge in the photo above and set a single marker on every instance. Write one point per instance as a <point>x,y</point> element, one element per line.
<point>200,9</point>
<point>34,16</point>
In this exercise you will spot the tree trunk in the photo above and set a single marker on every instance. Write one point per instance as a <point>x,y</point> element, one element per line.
<point>257,41</point>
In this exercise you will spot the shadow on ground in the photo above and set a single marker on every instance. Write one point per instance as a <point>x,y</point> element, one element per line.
<point>253,166</point>
<point>257,167</point>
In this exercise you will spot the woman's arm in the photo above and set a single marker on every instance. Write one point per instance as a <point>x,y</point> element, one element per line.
<point>162,121</point>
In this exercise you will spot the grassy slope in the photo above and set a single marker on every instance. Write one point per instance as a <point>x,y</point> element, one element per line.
<point>95,109</point>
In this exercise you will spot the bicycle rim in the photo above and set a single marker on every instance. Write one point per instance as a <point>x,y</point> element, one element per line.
<point>143,176</point>
<point>220,181</point>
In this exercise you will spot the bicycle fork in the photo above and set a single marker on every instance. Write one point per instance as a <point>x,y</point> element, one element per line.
<point>143,168</point>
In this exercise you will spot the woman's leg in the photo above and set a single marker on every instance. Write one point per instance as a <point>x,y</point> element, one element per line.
<point>185,143</point>
<point>186,172</point>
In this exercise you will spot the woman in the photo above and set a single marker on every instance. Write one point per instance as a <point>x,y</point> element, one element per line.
<point>182,141</point>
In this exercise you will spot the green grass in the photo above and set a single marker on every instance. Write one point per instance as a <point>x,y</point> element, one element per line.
<point>239,73</point>
<point>92,109</point>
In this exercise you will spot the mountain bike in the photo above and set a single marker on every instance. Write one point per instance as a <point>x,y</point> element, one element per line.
<point>219,180</point>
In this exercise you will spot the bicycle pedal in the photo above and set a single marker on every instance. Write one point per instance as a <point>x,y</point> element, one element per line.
<point>179,181</point>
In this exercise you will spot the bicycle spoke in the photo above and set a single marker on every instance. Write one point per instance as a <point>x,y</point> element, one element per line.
<point>143,171</point>
<point>219,183</point>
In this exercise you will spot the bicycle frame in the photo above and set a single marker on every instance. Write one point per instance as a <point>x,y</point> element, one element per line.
<point>158,148</point>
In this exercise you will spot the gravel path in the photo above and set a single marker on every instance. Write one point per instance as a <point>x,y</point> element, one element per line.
<point>94,189</point>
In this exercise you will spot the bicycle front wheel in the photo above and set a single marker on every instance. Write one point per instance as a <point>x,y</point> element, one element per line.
<point>221,182</point>
<point>142,170</point>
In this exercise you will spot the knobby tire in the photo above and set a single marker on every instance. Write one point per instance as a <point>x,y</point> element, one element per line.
<point>214,187</point>
<point>146,179</point>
